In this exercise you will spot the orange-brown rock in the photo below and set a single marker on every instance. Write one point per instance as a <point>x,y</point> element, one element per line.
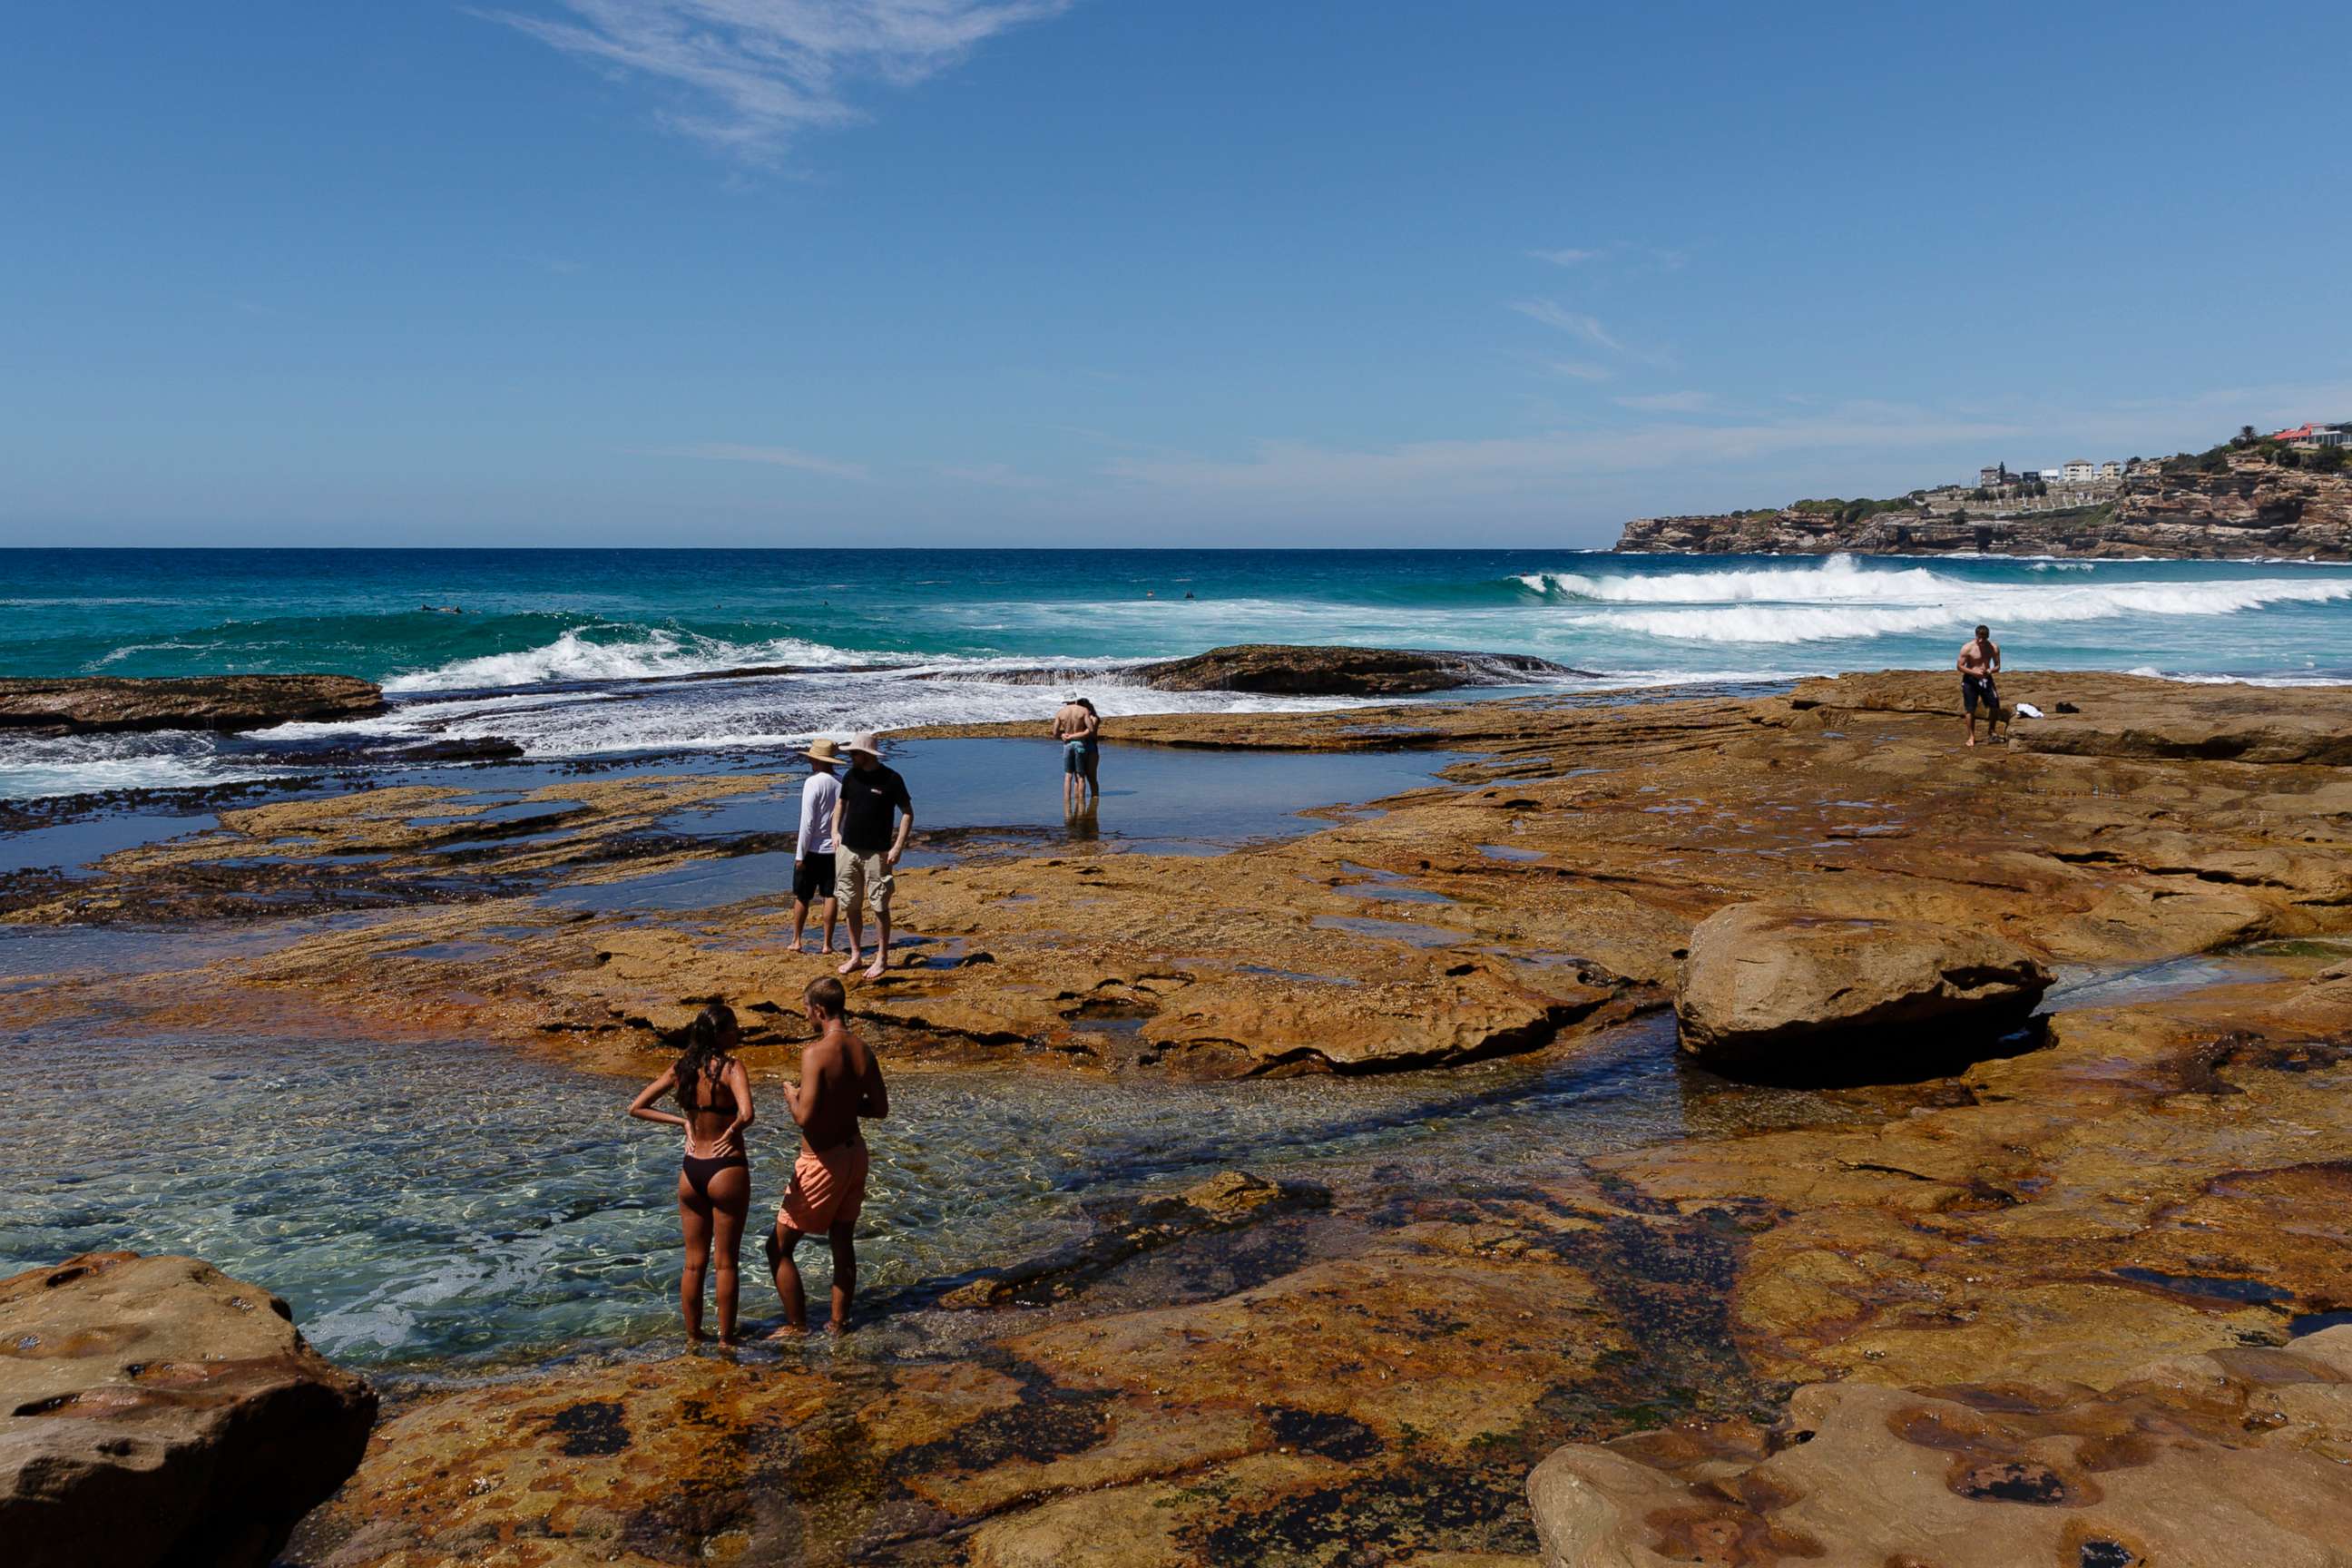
<point>1793,996</point>
<point>2234,1456</point>
<point>153,1410</point>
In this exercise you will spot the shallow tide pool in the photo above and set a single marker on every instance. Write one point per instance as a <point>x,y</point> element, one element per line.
<point>435,1204</point>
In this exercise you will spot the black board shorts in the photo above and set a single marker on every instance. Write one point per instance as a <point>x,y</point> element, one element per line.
<point>813,876</point>
<point>1978,689</point>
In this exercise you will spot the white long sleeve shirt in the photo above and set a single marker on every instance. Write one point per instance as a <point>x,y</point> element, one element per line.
<point>817,797</point>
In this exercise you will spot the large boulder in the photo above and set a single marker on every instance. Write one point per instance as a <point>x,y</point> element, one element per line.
<point>2235,1457</point>
<point>1791,995</point>
<point>98,704</point>
<point>153,1410</point>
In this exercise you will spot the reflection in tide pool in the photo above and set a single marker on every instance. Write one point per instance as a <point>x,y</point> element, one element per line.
<point>436,1203</point>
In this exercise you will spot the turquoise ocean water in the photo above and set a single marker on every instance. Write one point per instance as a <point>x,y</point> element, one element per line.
<point>584,653</point>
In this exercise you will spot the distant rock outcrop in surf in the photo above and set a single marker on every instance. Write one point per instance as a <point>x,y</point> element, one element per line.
<point>101,704</point>
<point>1283,670</point>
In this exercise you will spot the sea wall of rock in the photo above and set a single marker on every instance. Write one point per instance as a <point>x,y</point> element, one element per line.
<point>98,704</point>
<point>2250,510</point>
<point>1287,669</point>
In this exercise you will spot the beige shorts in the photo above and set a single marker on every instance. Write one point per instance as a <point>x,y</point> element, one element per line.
<point>862,881</point>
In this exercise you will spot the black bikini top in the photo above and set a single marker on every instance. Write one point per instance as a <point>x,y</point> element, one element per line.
<point>721,1096</point>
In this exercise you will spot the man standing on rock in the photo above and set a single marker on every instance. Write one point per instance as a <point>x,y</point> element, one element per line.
<point>1980,662</point>
<point>813,855</point>
<point>867,851</point>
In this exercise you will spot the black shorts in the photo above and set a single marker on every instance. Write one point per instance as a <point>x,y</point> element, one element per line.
<point>812,878</point>
<point>1975,689</point>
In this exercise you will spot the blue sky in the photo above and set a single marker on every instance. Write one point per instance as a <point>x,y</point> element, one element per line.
<point>1130,271</point>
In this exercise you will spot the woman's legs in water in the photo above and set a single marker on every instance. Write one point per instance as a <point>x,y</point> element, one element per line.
<point>694,1220</point>
<point>730,1200</point>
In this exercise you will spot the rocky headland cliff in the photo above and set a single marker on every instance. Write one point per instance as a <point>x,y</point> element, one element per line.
<point>2246,508</point>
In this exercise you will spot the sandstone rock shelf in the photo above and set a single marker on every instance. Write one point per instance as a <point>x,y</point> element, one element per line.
<point>1366,1358</point>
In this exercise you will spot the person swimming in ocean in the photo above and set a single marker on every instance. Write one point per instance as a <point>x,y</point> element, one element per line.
<point>714,1180</point>
<point>841,1084</point>
<point>1080,729</point>
<point>1980,662</point>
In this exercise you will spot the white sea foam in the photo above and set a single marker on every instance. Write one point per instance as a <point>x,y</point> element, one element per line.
<point>1838,600</point>
<point>640,654</point>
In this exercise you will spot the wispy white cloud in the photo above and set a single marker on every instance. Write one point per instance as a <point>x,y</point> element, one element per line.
<point>775,456</point>
<point>994,476</point>
<point>1577,370</point>
<point>1564,257</point>
<point>1552,313</point>
<point>1450,468</point>
<point>1667,402</point>
<point>757,72</point>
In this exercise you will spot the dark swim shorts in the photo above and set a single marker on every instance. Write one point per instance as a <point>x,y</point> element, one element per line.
<point>1975,689</point>
<point>812,878</point>
<point>1076,755</point>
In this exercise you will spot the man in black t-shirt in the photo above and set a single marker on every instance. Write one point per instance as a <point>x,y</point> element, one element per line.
<point>865,847</point>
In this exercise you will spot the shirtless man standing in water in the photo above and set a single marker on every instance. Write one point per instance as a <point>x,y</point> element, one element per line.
<point>840,1082</point>
<point>1980,662</point>
<point>1078,726</point>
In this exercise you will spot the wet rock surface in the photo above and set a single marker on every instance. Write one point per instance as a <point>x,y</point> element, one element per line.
<point>93,704</point>
<point>1316,671</point>
<point>1995,1260</point>
<point>2237,1455</point>
<point>1793,996</point>
<point>153,1410</point>
<point>1234,1377</point>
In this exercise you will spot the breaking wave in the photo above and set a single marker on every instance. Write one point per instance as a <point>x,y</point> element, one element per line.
<point>642,654</point>
<point>1839,599</point>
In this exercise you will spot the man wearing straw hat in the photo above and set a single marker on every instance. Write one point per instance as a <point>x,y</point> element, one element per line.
<point>813,848</point>
<point>866,850</point>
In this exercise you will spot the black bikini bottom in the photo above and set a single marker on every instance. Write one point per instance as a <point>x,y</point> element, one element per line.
<point>700,1170</point>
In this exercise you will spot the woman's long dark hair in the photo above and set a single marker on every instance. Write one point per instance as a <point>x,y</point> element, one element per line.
<point>704,1058</point>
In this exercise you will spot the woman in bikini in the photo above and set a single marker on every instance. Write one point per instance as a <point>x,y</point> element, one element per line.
<point>714,1185</point>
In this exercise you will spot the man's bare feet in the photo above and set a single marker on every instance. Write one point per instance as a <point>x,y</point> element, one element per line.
<point>873,972</point>
<point>1972,740</point>
<point>788,1332</point>
<point>848,963</point>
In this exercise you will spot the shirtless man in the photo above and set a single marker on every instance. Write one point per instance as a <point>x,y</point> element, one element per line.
<point>1078,728</point>
<point>1980,662</point>
<point>840,1082</point>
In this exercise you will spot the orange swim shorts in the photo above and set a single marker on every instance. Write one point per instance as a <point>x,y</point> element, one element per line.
<point>827,1189</point>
